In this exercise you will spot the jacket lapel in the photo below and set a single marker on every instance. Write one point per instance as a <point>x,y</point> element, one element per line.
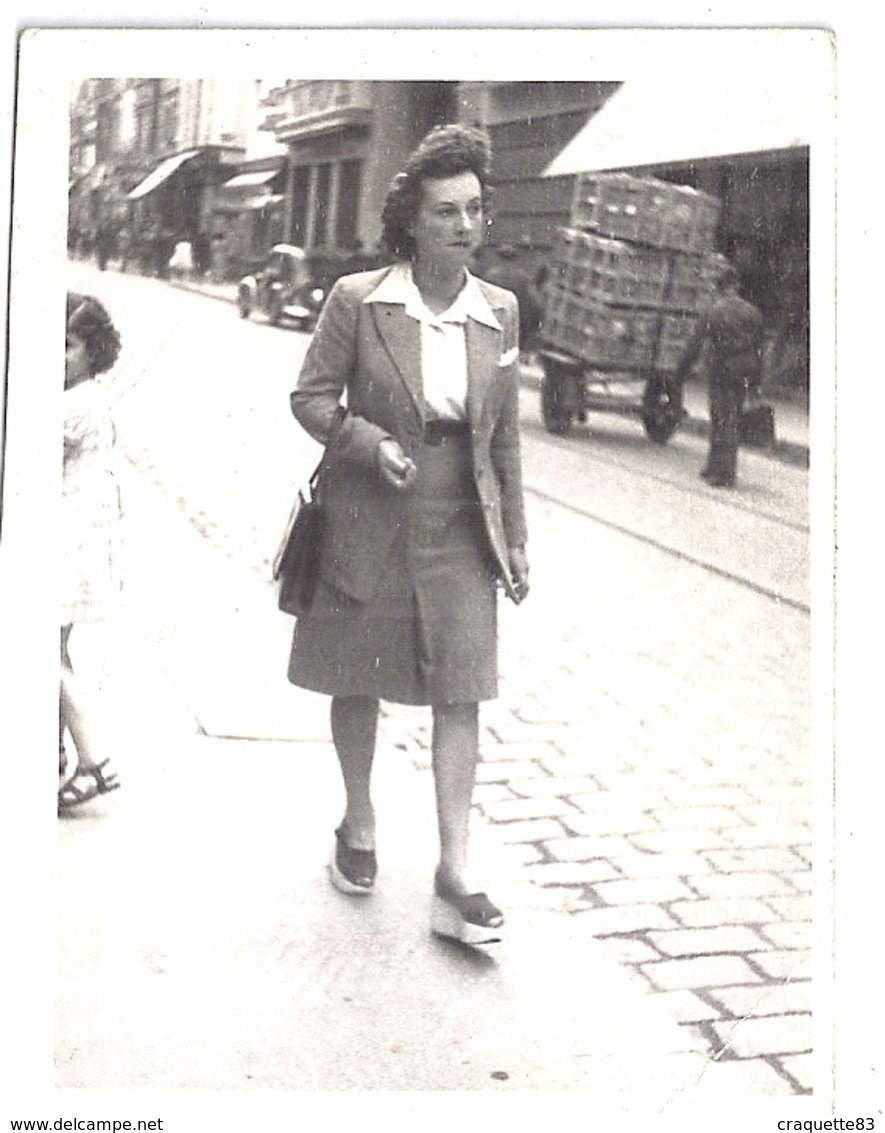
<point>401,336</point>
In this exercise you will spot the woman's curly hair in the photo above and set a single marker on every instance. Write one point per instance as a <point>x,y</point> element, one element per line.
<point>445,152</point>
<point>88,319</point>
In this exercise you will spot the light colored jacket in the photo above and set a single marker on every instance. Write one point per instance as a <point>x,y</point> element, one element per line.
<point>369,355</point>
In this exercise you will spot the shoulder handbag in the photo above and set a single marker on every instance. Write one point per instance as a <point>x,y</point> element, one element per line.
<point>296,563</point>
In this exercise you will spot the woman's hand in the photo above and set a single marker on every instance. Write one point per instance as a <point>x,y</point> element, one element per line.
<point>395,467</point>
<point>519,571</point>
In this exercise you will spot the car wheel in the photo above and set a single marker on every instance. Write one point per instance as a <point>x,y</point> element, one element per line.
<point>244,303</point>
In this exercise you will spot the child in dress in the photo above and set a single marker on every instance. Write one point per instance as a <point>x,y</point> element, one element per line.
<point>90,530</point>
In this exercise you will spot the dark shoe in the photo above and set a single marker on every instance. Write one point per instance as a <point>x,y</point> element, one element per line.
<point>469,918</point>
<point>352,871</point>
<point>720,482</point>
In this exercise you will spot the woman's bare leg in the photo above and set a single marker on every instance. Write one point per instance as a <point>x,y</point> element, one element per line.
<point>354,722</point>
<point>455,756</point>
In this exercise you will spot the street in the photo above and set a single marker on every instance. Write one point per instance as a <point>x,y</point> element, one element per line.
<point>647,769</point>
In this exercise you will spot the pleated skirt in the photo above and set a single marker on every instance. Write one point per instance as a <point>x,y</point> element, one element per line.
<point>429,635</point>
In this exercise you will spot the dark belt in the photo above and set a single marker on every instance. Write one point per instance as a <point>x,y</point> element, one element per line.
<point>437,430</point>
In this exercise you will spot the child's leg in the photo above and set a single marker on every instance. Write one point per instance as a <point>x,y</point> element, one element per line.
<point>73,711</point>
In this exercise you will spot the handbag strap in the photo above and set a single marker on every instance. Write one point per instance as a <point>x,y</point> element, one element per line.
<point>321,471</point>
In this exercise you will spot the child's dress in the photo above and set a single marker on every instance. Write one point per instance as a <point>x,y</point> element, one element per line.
<point>91,512</point>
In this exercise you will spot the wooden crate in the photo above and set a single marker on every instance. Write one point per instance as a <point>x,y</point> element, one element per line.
<point>645,210</point>
<point>609,271</point>
<point>599,334</point>
<point>632,275</point>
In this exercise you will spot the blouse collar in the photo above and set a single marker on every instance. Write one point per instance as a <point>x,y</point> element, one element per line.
<point>398,286</point>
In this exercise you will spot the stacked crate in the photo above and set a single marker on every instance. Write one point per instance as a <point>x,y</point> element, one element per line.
<point>631,272</point>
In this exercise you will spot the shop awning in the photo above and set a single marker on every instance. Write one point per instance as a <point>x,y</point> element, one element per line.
<point>163,171</point>
<point>248,204</point>
<point>250,180</point>
<point>767,100</point>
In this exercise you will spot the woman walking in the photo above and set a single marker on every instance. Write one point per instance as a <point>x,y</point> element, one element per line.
<point>424,506</point>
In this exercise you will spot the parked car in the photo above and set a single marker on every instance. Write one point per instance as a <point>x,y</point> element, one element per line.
<point>286,288</point>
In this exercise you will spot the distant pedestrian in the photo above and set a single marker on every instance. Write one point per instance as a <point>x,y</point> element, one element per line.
<point>124,248</point>
<point>733,330</point>
<point>164,249</point>
<point>218,258</point>
<point>90,534</point>
<point>104,242</point>
<point>201,253</point>
<point>181,262</point>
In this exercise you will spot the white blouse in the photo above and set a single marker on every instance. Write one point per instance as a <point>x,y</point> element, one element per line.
<point>443,337</point>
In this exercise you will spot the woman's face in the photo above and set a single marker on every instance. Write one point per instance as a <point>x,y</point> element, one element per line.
<point>77,365</point>
<point>449,225</point>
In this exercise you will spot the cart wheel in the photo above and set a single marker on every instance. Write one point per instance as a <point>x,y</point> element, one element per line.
<point>556,415</point>
<point>660,416</point>
<point>244,303</point>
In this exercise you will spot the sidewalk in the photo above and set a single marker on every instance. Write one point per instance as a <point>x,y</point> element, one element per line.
<point>790,409</point>
<point>216,955</point>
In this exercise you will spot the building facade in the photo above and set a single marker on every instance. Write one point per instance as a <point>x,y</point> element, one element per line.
<point>163,155</point>
<point>345,141</point>
<point>147,156</point>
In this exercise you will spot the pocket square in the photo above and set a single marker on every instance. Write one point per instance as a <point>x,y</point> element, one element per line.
<point>509,356</point>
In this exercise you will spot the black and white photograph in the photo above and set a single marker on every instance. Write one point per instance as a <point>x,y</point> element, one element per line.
<point>274,295</point>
